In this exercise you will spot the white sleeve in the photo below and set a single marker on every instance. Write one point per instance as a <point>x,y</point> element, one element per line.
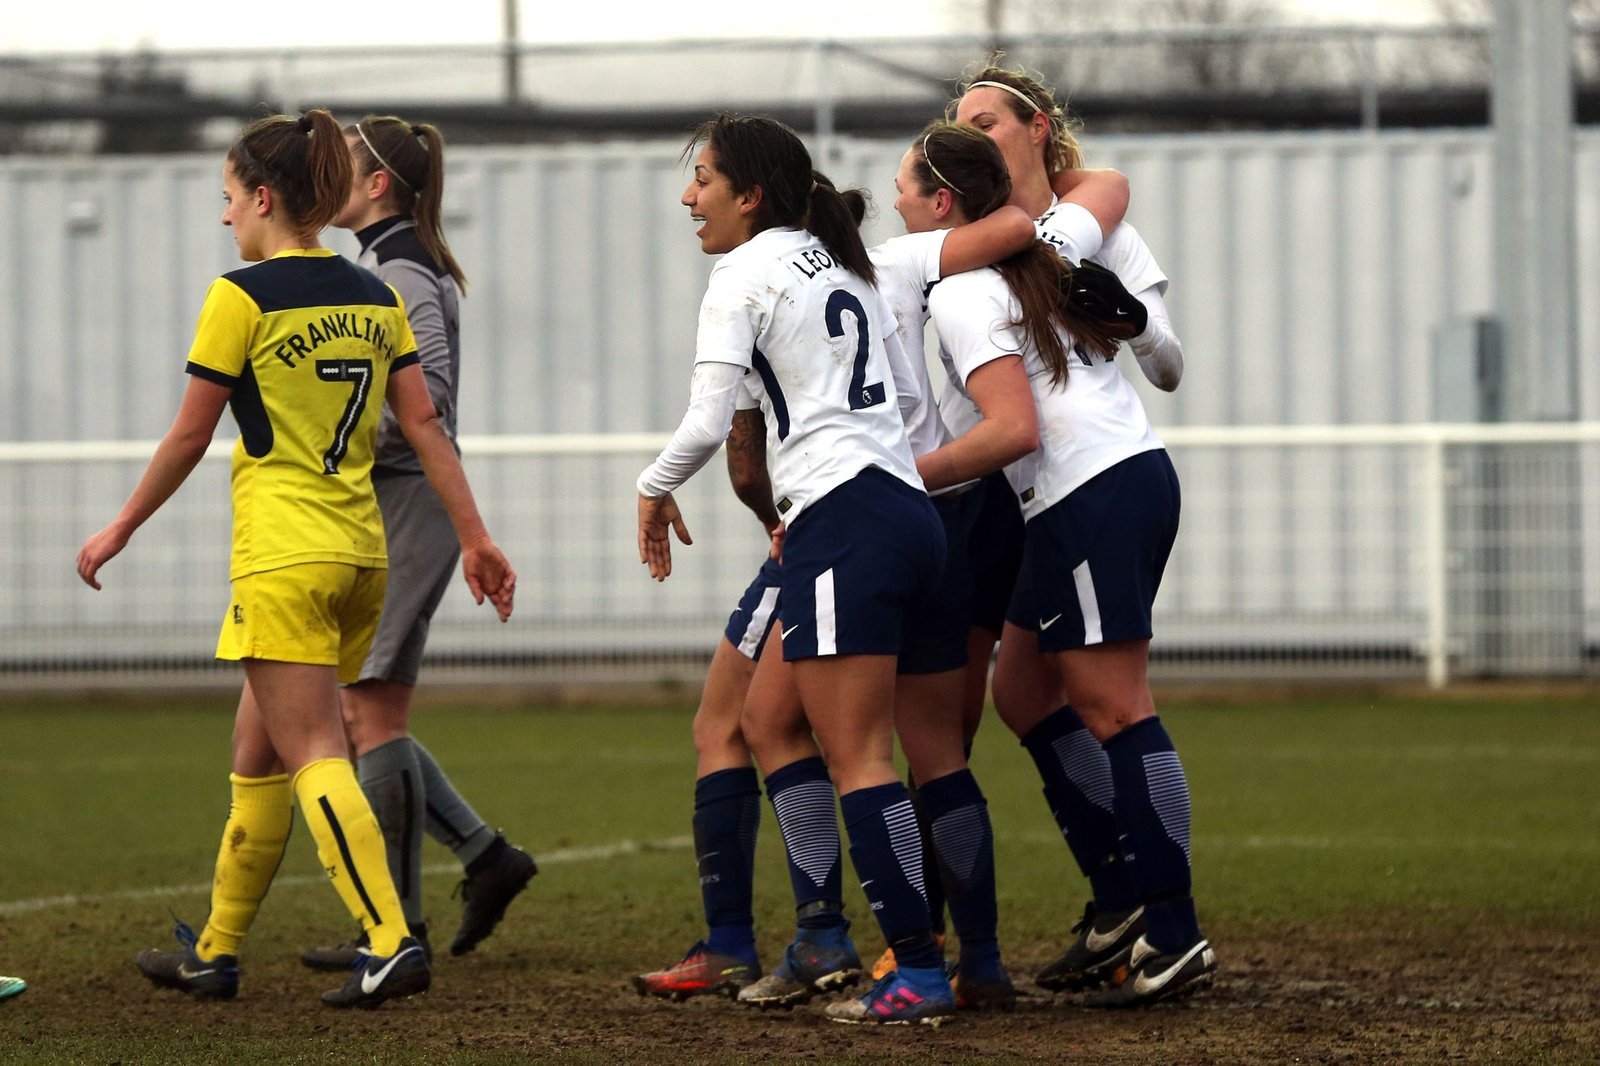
<point>925,250</point>
<point>909,392</point>
<point>1125,254</point>
<point>1157,348</point>
<point>974,323</point>
<point>1072,230</point>
<point>713,392</point>
<point>732,315</point>
<point>748,399</point>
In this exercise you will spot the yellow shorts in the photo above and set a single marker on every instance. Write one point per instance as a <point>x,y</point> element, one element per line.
<point>319,613</point>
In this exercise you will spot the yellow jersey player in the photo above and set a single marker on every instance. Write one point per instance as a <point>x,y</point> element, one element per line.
<point>305,347</point>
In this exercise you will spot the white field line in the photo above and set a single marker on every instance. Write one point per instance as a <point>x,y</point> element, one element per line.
<point>545,858</point>
<point>1206,841</point>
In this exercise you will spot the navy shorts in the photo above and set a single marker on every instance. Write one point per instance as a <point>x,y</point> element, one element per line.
<point>1091,564</point>
<point>935,637</point>
<point>854,563</point>
<point>752,620</point>
<point>996,551</point>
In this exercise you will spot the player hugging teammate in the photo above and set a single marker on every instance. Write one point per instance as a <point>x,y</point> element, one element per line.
<point>888,604</point>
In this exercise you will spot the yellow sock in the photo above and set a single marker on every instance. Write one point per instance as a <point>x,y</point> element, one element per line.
<point>252,847</point>
<point>350,845</point>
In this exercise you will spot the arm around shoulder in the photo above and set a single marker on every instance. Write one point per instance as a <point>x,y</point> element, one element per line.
<point>996,236</point>
<point>1103,193</point>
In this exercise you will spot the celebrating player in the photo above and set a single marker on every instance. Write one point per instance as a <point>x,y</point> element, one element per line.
<point>1079,619</point>
<point>929,692</point>
<point>792,300</point>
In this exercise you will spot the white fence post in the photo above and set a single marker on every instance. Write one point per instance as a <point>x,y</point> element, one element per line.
<point>1436,563</point>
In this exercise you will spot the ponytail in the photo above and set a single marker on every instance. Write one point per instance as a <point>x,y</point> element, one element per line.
<point>834,218</point>
<point>1041,281</point>
<point>303,160</point>
<point>413,156</point>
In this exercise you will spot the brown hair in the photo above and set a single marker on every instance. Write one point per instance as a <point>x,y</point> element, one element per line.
<point>968,163</point>
<point>754,151</point>
<point>1061,150</point>
<point>303,160</point>
<point>413,155</point>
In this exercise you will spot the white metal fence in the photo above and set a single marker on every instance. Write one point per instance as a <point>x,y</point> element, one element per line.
<point>1425,551</point>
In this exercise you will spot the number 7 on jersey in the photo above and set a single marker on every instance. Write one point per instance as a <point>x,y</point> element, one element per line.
<point>358,373</point>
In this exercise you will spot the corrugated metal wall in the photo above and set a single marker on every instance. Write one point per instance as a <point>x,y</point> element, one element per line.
<point>1310,272</point>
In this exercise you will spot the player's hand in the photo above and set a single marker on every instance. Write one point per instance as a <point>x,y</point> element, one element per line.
<point>1100,295</point>
<point>488,573</point>
<point>97,551</point>
<point>777,533</point>
<point>658,514</point>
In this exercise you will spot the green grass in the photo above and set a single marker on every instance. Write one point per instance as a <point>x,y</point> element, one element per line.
<point>1445,817</point>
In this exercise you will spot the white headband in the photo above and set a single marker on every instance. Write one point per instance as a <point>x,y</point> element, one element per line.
<point>381,162</point>
<point>928,159</point>
<point>1018,93</point>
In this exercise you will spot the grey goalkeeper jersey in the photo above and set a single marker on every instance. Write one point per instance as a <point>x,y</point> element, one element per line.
<point>392,250</point>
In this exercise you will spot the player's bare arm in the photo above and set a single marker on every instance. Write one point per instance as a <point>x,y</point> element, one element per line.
<point>485,567</point>
<point>747,466</point>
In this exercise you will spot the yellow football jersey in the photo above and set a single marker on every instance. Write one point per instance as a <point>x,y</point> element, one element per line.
<point>306,340</point>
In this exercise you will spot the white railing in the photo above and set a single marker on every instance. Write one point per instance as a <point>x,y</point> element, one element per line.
<point>1428,550</point>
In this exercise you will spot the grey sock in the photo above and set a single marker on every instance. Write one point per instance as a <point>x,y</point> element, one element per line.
<point>393,783</point>
<point>451,819</point>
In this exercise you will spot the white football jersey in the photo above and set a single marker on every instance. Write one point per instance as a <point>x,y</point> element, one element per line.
<point>813,334</point>
<point>1087,424</point>
<point>1123,252</point>
<point>908,266</point>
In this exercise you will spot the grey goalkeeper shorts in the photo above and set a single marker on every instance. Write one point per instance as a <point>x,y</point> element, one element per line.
<point>423,552</point>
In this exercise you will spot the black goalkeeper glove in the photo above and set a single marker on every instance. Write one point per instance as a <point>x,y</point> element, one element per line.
<point>1099,295</point>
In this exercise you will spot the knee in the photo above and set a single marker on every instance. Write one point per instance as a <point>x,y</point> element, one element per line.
<point>1021,703</point>
<point>717,730</point>
<point>1108,713</point>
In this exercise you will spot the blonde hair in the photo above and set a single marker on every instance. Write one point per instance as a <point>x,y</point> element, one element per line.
<point>1061,149</point>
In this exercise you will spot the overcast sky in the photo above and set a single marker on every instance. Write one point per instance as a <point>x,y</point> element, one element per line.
<point>121,25</point>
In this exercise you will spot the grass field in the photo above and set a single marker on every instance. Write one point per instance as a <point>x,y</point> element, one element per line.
<point>1384,878</point>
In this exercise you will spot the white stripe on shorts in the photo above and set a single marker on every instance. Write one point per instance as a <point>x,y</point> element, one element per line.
<point>827,617</point>
<point>750,643</point>
<point>1087,603</point>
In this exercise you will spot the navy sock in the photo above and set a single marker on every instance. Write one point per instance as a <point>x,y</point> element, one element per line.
<point>727,811</point>
<point>802,798</point>
<point>1153,810</point>
<point>1078,787</point>
<point>964,843</point>
<point>888,858</point>
<point>931,874</point>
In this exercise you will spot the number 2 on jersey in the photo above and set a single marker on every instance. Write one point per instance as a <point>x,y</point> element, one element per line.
<point>862,395</point>
<point>358,374</point>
